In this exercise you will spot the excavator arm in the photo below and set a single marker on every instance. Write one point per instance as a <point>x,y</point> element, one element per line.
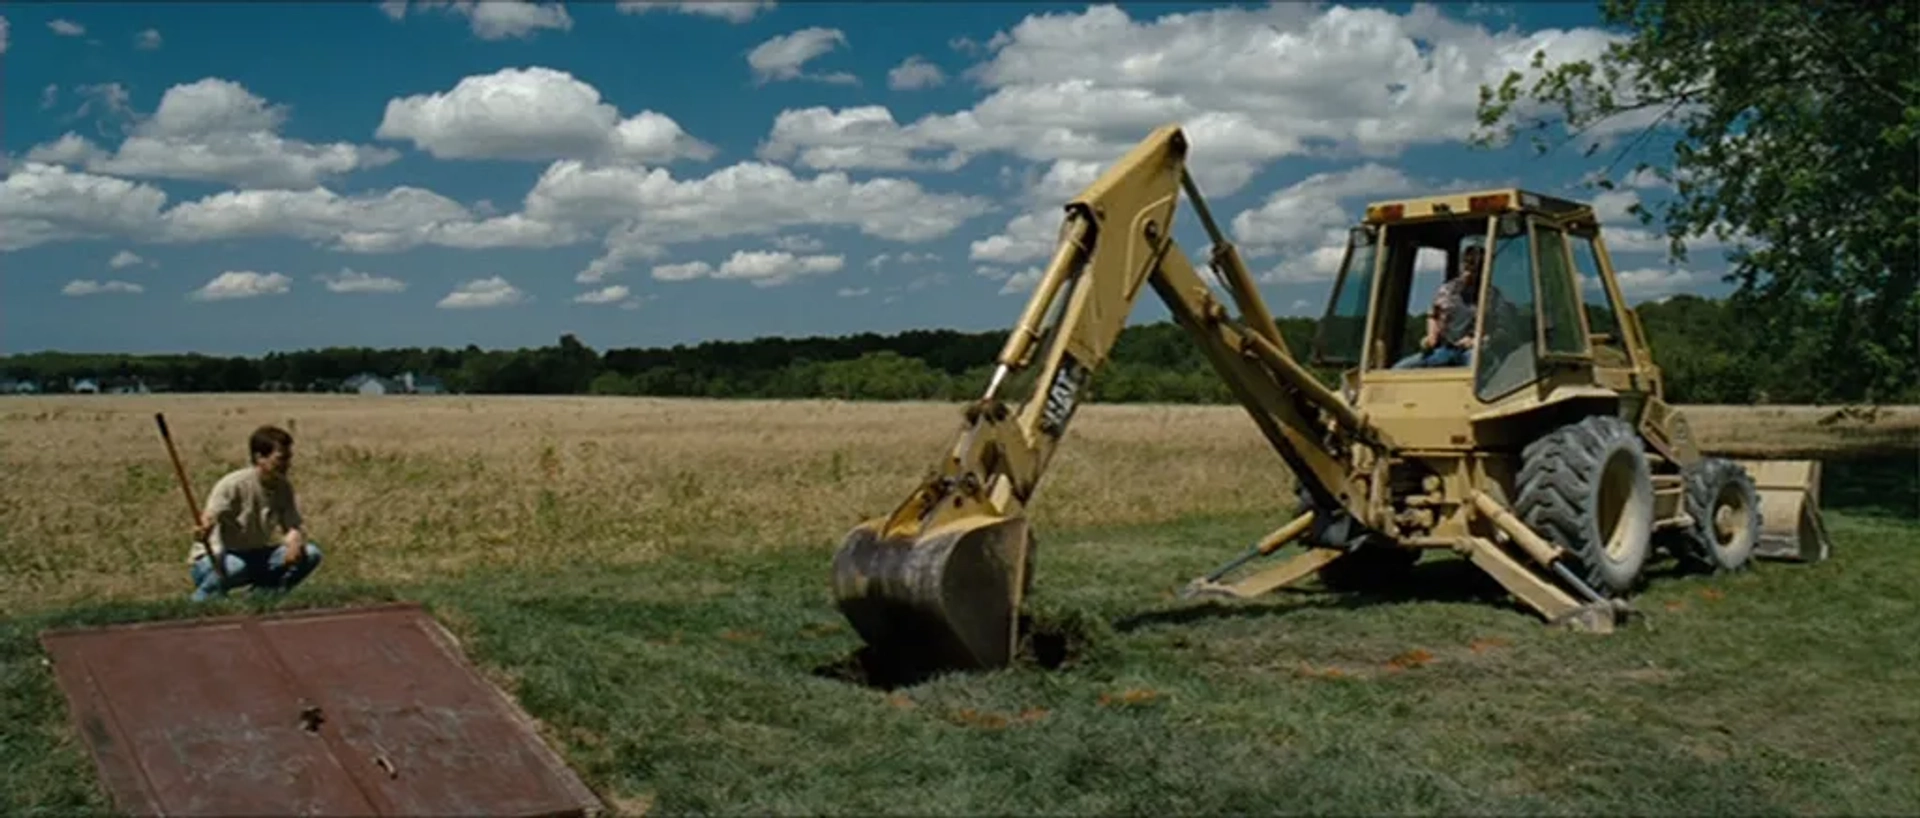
<point>939,582</point>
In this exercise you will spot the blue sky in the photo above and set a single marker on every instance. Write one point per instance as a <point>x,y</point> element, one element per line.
<point>240,178</point>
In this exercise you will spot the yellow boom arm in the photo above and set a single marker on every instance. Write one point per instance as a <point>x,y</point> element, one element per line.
<point>940,580</point>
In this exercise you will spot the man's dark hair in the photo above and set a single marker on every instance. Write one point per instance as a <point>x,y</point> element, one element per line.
<point>267,439</point>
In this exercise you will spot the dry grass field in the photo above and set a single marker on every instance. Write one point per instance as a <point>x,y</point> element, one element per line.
<point>648,579</point>
<point>398,489</point>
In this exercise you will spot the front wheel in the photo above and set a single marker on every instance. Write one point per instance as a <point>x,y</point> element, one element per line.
<point>1725,507</point>
<point>1588,487</point>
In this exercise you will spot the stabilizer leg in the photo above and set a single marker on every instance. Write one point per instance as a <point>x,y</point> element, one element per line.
<point>1288,572</point>
<point>1556,606</point>
<point>1293,570</point>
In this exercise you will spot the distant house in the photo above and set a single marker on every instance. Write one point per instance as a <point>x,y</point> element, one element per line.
<point>86,386</point>
<point>422,384</point>
<point>367,383</point>
<point>9,386</point>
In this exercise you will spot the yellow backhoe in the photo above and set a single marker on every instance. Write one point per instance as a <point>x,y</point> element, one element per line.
<point>1547,457</point>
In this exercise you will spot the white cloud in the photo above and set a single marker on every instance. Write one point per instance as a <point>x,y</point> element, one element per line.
<point>685,271</point>
<point>1308,211</point>
<point>41,203</point>
<point>242,284</point>
<point>781,58</point>
<point>481,293</point>
<point>1306,223</point>
<point>863,138</point>
<point>914,73</point>
<point>354,281</point>
<point>604,295</point>
<point>500,19</point>
<point>908,257</point>
<point>750,198</point>
<point>1654,283</point>
<point>1250,85</point>
<point>533,113</point>
<point>732,11</point>
<point>493,19</point>
<point>853,292</point>
<point>83,286</point>
<point>799,243</point>
<point>317,214</point>
<point>1028,236</point>
<point>67,28</point>
<point>215,130</point>
<point>110,101</point>
<point>624,244</point>
<point>70,149</point>
<point>124,258</point>
<point>5,27</point>
<point>1623,232</point>
<point>147,40</point>
<point>1033,233</point>
<point>764,268</point>
<point>1023,281</point>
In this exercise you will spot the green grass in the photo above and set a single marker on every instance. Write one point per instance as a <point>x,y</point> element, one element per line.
<point>691,686</point>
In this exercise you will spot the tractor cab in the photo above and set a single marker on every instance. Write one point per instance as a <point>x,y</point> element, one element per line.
<point>1540,310</point>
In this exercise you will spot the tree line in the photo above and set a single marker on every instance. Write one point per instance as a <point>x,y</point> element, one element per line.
<point>1709,350</point>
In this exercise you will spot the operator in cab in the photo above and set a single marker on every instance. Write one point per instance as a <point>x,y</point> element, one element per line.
<point>1450,323</point>
<point>247,510</point>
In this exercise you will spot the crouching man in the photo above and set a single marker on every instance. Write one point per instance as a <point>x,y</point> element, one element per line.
<point>252,524</point>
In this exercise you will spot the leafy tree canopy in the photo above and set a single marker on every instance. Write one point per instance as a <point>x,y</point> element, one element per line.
<point>1786,129</point>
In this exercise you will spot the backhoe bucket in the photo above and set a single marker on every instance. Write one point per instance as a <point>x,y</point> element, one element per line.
<point>948,599</point>
<point>1791,527</point>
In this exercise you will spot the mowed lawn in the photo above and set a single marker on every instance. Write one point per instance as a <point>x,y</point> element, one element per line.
<point>648,579</point>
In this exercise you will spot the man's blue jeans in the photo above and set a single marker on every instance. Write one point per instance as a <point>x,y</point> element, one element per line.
<point>1444,355</point>
<point>265,569</point>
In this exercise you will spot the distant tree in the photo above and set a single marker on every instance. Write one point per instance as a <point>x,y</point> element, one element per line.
<point>1796,139</point>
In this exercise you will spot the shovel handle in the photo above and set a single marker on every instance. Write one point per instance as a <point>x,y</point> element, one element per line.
<point>186,489</point>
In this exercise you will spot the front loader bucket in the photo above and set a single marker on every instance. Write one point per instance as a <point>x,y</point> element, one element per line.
<point>948,599</point>
<point>1791,527</point>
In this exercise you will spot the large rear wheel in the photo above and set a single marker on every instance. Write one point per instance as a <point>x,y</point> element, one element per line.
<point>1588,487</point>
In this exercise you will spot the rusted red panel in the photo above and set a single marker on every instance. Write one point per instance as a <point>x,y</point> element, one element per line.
<point>371,711</point>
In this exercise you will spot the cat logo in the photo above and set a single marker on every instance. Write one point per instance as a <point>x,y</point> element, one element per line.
<point>1062,396</point>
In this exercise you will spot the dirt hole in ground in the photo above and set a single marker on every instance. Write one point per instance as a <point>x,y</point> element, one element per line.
<point>1051,644</point>
<point>1045,644</point>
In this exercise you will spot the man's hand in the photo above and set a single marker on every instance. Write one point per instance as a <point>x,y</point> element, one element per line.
<point>296,546</point>
<point>201,531</point>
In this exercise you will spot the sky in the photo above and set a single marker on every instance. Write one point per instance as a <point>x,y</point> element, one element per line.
<point>236,179</point>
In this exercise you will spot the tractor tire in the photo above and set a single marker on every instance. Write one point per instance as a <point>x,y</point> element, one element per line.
<point>1588,487</point>
<point>1725,506</point>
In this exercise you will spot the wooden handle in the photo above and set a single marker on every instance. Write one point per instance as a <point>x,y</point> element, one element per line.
<point>186,489</point>
<point>180,471</point>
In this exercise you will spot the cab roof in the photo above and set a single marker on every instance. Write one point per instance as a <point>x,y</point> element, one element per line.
<point>1492,201</point>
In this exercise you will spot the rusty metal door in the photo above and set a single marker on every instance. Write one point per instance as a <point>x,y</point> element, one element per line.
<point>371,711</point>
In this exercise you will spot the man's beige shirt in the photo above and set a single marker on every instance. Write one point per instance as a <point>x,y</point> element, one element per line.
<point>247,514</point>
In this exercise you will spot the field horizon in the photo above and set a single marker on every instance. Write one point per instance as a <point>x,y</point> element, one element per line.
<point>400,487</point>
